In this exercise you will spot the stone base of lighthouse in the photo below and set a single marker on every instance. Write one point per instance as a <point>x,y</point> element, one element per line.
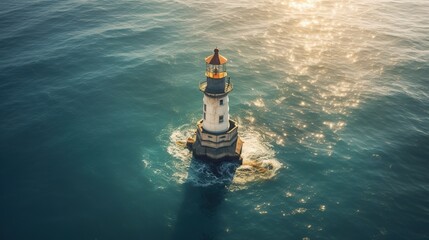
<point>216,147</point>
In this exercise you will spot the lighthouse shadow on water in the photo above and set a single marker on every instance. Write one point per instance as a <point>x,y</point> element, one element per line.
<point>206,185</point>
<point>204,192</point>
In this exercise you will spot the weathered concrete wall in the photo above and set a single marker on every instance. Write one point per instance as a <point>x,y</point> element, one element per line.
<point>216,153</point>
<point>213,111</point>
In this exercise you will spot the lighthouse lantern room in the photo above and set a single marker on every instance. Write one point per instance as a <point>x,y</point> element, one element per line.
<point>217,135</point>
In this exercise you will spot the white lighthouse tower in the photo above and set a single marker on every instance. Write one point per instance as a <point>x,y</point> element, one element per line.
<point>217,135</point>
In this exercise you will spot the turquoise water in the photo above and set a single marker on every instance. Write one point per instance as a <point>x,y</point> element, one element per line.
<point>332,98</point>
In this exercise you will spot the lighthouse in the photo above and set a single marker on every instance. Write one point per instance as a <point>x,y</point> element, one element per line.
<point>216,137</point>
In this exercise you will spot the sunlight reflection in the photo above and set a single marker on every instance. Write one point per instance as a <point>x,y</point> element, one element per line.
<point>303,5</point>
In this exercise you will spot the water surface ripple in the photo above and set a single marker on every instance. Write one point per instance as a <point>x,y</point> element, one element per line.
<point>331,96</point>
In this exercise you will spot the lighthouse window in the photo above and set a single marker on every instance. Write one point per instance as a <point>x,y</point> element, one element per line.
<point>204,115</point>
<point>221,102</point>
<point>205,107</point>
<point>221,119</point>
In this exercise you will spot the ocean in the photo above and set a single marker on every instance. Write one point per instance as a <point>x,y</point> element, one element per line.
<point>331,97</point>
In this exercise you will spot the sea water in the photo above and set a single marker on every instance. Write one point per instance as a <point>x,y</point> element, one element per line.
<point>332,100</point>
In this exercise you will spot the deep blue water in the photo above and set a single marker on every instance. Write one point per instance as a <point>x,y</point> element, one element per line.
<point>332,98</point>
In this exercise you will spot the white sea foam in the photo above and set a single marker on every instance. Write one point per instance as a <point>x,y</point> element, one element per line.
<point>259,162</point>
<point>182,156</point>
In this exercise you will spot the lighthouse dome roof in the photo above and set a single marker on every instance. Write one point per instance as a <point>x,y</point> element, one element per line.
<point>216,58</point>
